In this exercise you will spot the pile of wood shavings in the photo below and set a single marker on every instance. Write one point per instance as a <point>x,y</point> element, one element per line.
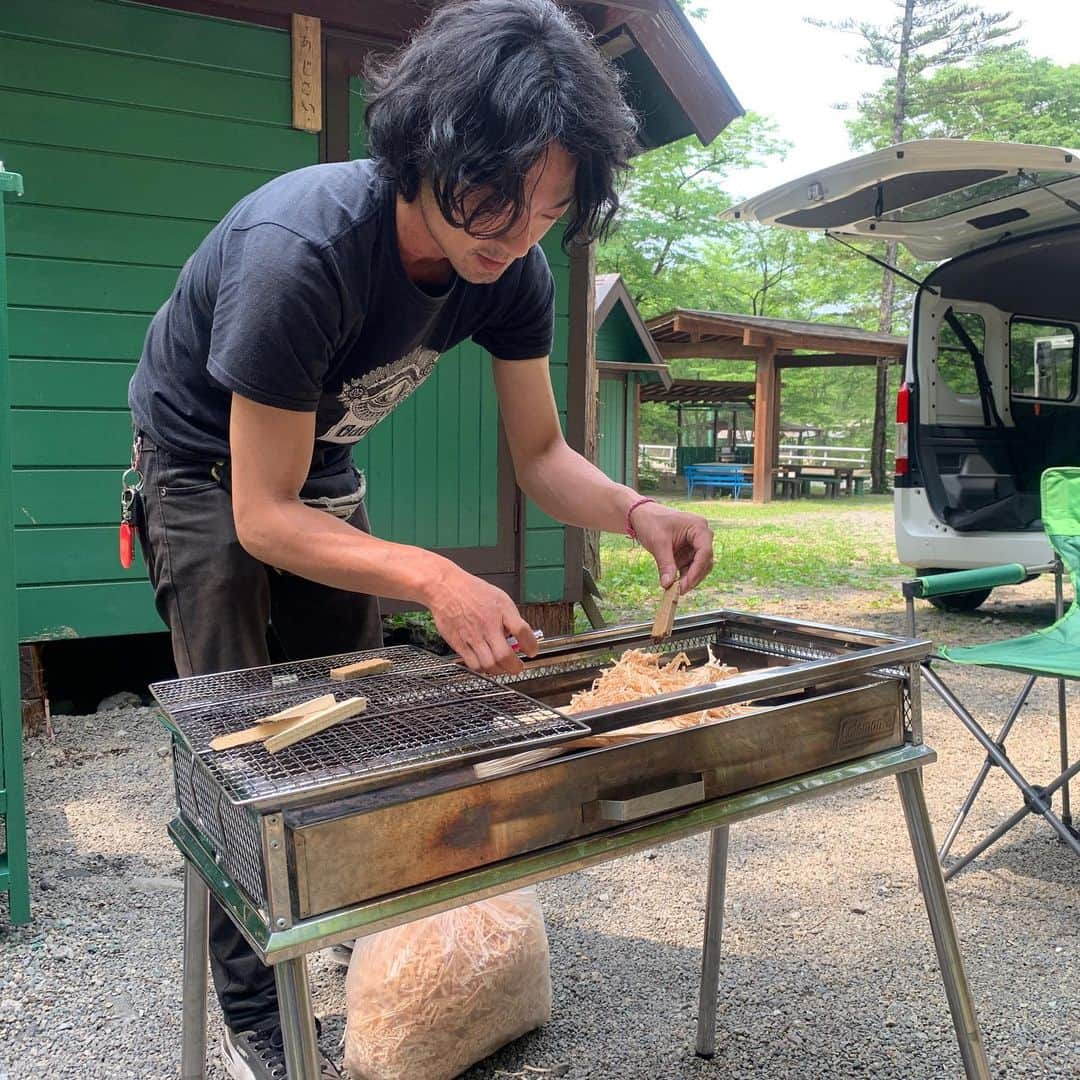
<point>640,674</point>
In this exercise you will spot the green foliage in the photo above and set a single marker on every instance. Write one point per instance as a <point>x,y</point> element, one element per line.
<point>810,544</point>
<point>672,208</point>
<point>1008,96</point>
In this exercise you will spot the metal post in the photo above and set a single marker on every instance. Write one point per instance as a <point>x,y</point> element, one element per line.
<point>987,764</point>
<point>710,960</point>
<point>962,1008</point>
<point>297,1020</point>
<point>1063,722</point>
<point>196,922</point>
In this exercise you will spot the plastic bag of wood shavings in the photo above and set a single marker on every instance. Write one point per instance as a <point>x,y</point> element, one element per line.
<point>428,999</point>
<point>639,674</point>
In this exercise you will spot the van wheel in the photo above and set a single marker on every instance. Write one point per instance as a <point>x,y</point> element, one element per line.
<point>958,602</point>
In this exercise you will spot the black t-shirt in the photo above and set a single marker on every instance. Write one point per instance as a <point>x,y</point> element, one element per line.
<point>299,299</point>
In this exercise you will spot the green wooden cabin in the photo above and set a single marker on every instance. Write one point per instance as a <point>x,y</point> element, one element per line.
<point>626,360</point>
<point>135,127</point>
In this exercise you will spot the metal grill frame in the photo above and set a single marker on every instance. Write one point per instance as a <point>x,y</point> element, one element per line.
<point>819,655</point>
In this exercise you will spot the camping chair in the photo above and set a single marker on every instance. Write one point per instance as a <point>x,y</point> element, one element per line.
<point>1050,653</point>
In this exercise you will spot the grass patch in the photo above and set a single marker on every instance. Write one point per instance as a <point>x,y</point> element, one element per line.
<point>763,552</point>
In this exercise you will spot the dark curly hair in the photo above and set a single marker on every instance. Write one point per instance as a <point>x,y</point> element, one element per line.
<point>476,98</point>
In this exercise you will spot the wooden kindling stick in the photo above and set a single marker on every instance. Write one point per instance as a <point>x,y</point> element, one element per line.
<point>297,722</point>
<point>376,665</point>
<point>664,622</point>
<point>314,723</point>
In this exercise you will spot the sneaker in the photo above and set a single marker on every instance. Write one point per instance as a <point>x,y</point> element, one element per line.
<point>260,1055</point>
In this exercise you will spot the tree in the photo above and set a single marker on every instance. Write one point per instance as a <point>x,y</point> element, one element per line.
<point>926,35</point>
<point>1008,96</point>
<point>671,209</point>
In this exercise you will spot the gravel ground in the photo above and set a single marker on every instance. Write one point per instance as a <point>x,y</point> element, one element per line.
<point>828,970</point>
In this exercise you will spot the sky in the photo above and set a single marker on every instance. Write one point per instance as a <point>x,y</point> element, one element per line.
<point>779,66</point>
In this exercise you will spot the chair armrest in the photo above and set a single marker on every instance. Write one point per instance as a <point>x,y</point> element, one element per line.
<point>959,581</point>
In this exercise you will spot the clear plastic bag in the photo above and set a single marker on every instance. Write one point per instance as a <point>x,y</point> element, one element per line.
<point>428,999</point>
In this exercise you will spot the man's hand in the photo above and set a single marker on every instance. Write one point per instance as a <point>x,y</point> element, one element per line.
<point>475,619</point>
<point>680,543</point>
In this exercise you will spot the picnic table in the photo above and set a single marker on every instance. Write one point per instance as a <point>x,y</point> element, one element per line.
<point>796,479</point>
<point>720,476</point>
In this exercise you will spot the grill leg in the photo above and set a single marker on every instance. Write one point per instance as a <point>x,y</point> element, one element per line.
<point>297,1020</point>
<point>961,1006</point>
<point>710,960</point>
<point>196,916</point>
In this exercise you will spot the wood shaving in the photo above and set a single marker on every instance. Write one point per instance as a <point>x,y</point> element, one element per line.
<point>430,998</point>
<point>635,675</point>
<point>640,674</point>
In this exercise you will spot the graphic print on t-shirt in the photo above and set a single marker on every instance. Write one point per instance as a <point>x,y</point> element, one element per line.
<point>372,396</point>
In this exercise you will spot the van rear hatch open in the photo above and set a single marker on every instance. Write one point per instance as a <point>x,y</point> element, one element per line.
<point>937,197</point>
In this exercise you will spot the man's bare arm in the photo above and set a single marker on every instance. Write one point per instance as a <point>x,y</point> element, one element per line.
<point>271,454</point>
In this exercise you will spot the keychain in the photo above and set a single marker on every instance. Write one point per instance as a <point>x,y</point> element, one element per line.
<point>131,483</point>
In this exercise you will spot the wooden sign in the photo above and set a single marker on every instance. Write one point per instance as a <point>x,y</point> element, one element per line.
<point>306,73</point>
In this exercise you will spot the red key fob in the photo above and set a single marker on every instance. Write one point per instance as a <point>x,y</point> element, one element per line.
<point>127,545</point>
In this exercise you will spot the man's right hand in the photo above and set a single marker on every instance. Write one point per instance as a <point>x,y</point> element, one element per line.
<point>475,619</point>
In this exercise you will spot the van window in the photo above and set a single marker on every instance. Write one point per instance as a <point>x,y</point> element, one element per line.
<point>955,365</point>
<point>1042,360</point>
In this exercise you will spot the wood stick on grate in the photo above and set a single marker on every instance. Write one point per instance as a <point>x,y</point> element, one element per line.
<point>665,615</point>
<point>295,712</point>
<point>271,725</point>
<point>316,722</point>
<point>259,733</point>
<point>375,666</point>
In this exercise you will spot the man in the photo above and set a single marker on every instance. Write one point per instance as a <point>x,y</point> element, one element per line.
<point>319,303</point>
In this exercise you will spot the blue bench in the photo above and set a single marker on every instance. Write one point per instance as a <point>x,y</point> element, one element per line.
<point>726,477</point>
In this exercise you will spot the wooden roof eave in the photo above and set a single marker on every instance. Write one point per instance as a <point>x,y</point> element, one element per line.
<point>665,37</point>
<point>657,28</point>
<point>721,335</point>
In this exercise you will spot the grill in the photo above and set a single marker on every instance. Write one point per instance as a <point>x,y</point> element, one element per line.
<point>388,817</point>
<point>390,799</point>
<point>425,711</point>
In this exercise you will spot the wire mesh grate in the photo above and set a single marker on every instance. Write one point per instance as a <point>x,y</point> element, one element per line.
<point>424,711</point>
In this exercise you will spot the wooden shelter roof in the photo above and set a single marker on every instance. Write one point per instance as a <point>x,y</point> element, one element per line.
<point>700,392</point>
<point>684,333</point>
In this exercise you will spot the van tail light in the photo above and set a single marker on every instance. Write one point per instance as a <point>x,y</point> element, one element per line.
<point>903,412</point>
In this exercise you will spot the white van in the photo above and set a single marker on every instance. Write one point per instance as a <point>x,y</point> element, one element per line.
<point>990,398</point>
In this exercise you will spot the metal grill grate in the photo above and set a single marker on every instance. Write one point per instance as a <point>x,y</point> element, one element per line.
<point>424,711</point>
<point>231,831</point>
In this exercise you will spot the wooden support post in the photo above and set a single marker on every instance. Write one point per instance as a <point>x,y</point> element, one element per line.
<point>582,415</point>
<point>765,423</point>
<point>307,109</point>
<point>637,433</point>
<point>774,446</point>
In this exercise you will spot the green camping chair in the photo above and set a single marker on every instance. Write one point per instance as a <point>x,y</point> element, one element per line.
<point>1051,653</point>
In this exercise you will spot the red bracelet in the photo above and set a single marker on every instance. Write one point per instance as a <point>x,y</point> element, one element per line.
<point>633,506</point>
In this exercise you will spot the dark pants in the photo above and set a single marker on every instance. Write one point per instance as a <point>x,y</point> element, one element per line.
<point>225,611</point>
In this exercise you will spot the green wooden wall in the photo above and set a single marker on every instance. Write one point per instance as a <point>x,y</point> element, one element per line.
<point>617,340</point>
<point>136,128</point>
<point>611,428</point>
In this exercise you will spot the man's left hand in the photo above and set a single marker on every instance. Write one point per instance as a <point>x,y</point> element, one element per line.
<point>680,543</point>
